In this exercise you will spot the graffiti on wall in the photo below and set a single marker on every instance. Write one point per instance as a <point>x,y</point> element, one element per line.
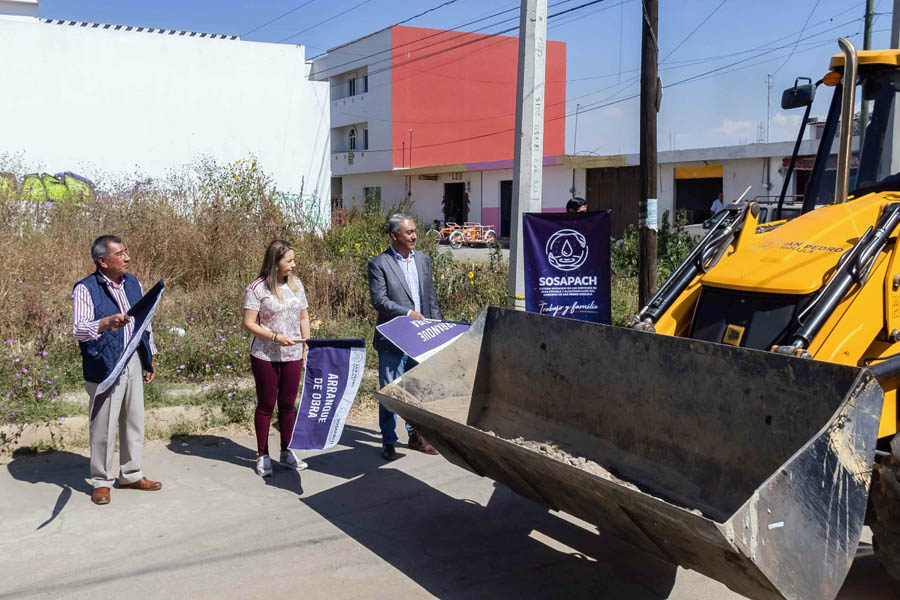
<point>43,187</point>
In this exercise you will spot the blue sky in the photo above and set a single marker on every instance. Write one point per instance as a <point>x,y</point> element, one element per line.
<point>744,39</point>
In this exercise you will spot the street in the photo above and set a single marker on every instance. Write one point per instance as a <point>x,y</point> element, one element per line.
<point>352,526</point>
<point>473,253</point>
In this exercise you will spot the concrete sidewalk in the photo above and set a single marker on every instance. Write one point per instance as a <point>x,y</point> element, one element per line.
<point>352,526</point>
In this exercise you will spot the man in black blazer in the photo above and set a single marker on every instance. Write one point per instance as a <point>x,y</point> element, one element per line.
<point>400,283</point>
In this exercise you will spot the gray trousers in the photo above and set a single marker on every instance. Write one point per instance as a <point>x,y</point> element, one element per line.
<point>123,406</point>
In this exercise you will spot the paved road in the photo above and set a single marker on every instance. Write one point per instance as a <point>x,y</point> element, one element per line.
<point>473,254</point>
<point>349,527</point>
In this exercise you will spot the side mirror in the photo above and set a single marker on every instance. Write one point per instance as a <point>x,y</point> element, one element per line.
<point>799,95</point>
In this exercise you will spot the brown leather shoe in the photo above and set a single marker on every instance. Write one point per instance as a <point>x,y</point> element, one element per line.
<point>417,442</point>
<point>100,495</point>
<point>143,484</point>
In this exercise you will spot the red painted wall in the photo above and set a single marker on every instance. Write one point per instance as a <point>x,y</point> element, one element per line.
<point>449,85</point>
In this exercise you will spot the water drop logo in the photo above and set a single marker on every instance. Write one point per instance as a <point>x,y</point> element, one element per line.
<point>566,250</point>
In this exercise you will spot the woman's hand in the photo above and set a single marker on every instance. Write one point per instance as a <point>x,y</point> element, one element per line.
<point>283,340</point>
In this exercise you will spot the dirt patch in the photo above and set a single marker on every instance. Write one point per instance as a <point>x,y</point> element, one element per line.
<point>552,450</point>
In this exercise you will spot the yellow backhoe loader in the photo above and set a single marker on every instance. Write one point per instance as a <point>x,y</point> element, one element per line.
<point>743,425</point>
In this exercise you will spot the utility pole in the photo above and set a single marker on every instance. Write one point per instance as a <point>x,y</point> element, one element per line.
<point>575,141</point>
<point>528,157</point>
<point>650,99</point>
<point>867,45</point>
<point>895,25</point>
<point>575,147</point>
<point>769,85</point>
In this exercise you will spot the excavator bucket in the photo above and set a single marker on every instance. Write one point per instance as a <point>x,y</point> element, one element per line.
<point>749,467</point>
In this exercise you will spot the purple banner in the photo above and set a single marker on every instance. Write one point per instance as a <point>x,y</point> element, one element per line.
<point>567,265</point>
<point>420,338</point>
<point>141,313</point>
<point>334,369</point>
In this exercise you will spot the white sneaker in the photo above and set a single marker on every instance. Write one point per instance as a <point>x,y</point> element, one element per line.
<point>263,466</point>
<point>289,460</point>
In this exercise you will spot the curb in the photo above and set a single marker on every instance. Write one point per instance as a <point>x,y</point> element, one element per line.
<point>72,432</point>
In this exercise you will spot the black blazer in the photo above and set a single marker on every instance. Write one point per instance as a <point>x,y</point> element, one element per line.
<point>390,293</point>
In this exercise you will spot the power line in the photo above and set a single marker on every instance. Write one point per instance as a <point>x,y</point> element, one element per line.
<point>460,34</point>
<point>623,85</point>
<point>469,42</point>
<point>425,12</point>
<point>721,70</point>
<point>332,18</point>
<point>442,32</point>
<point>693,31</point>
<point>798,37</point>
<point>278,18</point>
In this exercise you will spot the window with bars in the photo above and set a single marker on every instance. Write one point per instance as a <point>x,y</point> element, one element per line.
<point>373,197</point>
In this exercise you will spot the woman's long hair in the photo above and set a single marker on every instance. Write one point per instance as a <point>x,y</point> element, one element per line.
<point>269,270</point>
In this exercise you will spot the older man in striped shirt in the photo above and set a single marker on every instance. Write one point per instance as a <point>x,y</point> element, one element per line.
<point>100,303</point>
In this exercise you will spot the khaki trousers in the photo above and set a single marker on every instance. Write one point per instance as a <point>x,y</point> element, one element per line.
<point>122,405</point>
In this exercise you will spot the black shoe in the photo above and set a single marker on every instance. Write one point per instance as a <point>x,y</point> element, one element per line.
<point>388,452</point>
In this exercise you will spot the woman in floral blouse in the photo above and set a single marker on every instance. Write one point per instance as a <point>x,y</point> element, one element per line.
<point>275,312</point>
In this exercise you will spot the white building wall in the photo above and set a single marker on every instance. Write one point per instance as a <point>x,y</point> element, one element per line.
<point>556,183</point>
<point>370,57</point>
<point>116,101</point>
<point>737,174</point>
<point>393,189</point>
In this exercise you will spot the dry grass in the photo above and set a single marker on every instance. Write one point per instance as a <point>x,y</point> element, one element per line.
<point>203,231</point>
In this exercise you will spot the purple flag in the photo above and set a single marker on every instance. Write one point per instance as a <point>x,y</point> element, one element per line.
<point>334,369</point>
<point>420,338</point>
<point>567,265</point>
<point>142,313</point>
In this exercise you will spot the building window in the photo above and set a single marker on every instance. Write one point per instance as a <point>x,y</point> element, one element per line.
<point>373,198</point>
<point>365,83</point>
<point>352,138</point>
<point>351,87</point>
<point>366,138</point>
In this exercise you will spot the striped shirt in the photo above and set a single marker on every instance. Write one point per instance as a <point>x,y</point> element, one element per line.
<point>411,273</point>
<point>85,327</point>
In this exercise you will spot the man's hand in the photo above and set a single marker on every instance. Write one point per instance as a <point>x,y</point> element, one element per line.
<point>116,321</point>
<point>416,315</point>
<point>148,376</point>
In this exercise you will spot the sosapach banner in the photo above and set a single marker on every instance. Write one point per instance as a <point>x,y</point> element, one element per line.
<point>334,369</point>
<point>141,313</point>
<point>566,258</point>
<point>420,338</point>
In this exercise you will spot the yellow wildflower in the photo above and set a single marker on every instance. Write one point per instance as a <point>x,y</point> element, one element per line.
<point>357,244</point>
<point>342,248</point>
<point>471,275</point>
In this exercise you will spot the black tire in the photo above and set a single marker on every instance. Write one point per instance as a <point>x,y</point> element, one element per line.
<point>490,239</point>
<point>884,499</point>
<point>456,240</point>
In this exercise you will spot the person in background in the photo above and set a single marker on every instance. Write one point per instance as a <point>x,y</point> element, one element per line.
<point>716,205</point>
<point>400,283</point>
<point>100,303</point>
<point>576,205</point>
<point>276,314</point>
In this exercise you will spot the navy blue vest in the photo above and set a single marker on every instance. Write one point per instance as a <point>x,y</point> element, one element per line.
<point>99,357</point>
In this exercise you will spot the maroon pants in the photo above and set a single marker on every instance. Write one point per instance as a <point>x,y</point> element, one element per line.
<point>276,382</point>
